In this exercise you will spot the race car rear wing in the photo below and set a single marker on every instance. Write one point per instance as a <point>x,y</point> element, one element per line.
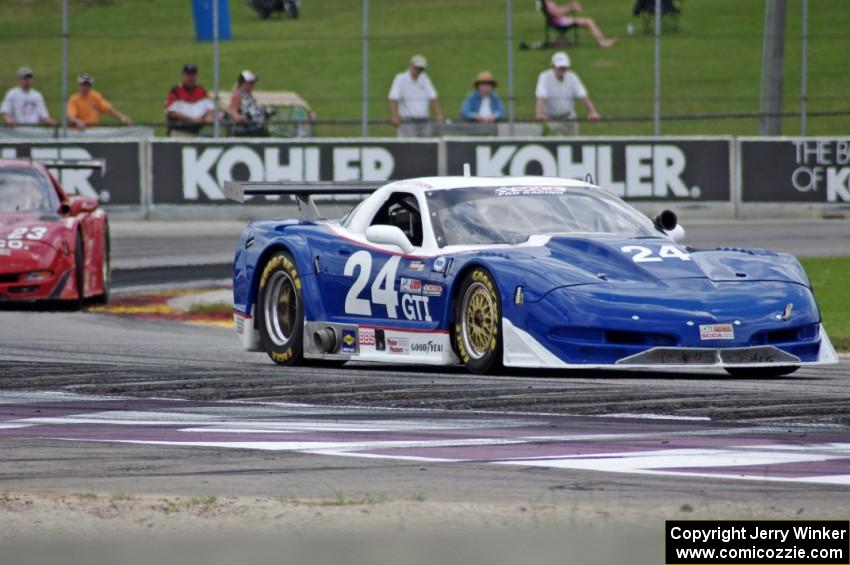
<point>87,164</point>
<point>303,192</point>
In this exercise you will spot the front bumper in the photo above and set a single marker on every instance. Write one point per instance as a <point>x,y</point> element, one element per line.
<point>36,256</point>
<point>522,350</point>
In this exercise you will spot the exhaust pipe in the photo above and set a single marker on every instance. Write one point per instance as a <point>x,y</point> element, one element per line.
<point>325,340</point>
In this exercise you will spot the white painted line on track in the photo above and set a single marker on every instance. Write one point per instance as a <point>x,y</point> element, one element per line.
<point>638,416</point>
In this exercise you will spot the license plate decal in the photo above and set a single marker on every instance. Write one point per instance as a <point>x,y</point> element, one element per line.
<point>716,331</point>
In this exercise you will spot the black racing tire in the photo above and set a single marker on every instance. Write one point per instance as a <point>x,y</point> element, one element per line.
<point>761,372</point>
<point>79,273</point>
<point>106,269</point>
<point>478,322</point>
<point>280,310</point>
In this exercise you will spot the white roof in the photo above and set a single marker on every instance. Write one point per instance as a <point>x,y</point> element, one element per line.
<point>448,182</point>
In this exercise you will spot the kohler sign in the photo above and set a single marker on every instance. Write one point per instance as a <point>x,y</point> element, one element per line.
<point>120,183</point>
<point>635,170</point>
<point>194,172</point>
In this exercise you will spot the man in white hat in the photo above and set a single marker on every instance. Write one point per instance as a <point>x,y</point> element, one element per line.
<point>410,96</point>
<point>24,105</point>
<point>557,90</point>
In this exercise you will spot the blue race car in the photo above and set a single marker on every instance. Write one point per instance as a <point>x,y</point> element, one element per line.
<point>513,272</point>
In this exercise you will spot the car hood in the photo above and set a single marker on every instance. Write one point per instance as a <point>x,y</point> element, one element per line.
<point>656,262</point>
<point>55,227</point>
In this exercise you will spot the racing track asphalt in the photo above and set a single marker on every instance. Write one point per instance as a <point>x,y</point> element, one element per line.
<point>533,417</point>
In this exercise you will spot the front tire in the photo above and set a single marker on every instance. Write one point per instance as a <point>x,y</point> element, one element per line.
<point>761,372</point>
<point>79,273</point>
<point>478,322</point>
<point>280,310</point>
<point>106,270</point>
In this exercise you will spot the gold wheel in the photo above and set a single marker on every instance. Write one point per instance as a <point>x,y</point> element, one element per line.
<point>478,325</point>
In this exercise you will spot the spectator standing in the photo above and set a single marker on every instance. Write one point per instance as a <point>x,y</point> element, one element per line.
<point>410,96</point>
<point>87,104</point>
<point>24,105</point>
<point>482,105</point>
<point>247,116</point>
<point>188,106</point>
<point>557,90</point>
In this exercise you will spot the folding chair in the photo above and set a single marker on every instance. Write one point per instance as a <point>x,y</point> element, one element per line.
<point>670,12</point>
<point>551,25</point>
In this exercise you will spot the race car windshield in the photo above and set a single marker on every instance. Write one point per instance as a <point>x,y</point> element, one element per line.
<point>25,190</point>
<point>510,214</point>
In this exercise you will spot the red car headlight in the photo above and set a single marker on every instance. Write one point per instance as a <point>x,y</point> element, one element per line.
<point>35,276</point>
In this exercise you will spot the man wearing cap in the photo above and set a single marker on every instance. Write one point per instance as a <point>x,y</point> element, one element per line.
<point>86,106</point>
<point>482,105</point>
<point>24,105</point>
<point>188,106</point>
<point>557,90</point>
<point>410,96</point>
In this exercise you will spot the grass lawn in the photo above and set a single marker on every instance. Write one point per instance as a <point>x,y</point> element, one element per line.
<point>135,49</point>
<point>830,277</point>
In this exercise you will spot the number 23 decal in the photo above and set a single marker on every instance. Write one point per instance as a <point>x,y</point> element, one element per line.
<point>644,254</point>
<point>15,237</point>
<point>36,232</point>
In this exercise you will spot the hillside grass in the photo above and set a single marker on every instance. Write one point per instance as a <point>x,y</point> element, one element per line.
<point>135,49</point>
<point>829,276</point>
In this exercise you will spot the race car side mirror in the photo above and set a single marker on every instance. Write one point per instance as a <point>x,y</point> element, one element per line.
<point>666,220</point>
<point>677,234</point>
<point>389,235</point>
<point>77,205</point>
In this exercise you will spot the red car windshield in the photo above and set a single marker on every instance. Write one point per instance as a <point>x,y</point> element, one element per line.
<point>26,190</point>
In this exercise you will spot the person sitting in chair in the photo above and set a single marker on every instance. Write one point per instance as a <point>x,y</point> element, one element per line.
<point>560,16</point>
<point>188,107</point>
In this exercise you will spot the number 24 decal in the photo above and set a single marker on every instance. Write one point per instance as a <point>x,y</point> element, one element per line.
<point>644,254</point>
<point>382,287</point>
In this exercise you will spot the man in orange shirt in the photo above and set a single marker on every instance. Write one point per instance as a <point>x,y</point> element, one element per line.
<point>86,106</point>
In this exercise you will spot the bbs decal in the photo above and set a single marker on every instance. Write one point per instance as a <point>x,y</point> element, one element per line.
<point>382,290</point>
<point>643,254</point>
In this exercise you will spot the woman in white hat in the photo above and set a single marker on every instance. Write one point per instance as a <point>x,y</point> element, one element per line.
<point>247,116</point>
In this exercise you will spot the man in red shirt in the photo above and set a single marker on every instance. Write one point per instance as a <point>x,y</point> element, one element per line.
<point>188,106</point>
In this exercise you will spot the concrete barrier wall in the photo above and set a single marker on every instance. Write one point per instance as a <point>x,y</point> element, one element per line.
<point>711,176</point>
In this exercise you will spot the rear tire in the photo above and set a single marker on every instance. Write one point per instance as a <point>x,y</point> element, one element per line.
<point>761,372</point>
<point>280,310</point>
<point>478,322</point>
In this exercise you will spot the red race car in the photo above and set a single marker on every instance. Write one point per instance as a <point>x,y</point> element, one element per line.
<point>53,246</point>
